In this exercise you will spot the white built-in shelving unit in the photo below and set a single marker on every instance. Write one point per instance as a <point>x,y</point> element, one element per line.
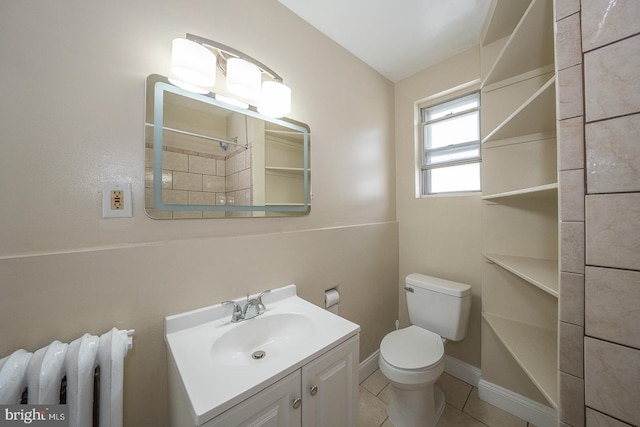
<point>520,199</point>
<point>284,166</point>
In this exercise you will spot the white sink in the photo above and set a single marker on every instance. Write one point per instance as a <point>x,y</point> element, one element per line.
<point>220,363</point>
<point>262,339</point>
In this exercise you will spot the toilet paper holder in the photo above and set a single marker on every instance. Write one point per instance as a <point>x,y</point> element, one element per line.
<point>332,299</point>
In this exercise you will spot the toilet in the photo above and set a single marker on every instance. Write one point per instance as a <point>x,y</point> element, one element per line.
<point>412,358</point>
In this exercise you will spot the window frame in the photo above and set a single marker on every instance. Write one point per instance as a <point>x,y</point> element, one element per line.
<point>425,166</point>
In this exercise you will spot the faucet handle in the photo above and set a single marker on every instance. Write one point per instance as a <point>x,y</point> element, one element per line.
<point>235,304</point>
<point>237,311</point>
<point>261,307</point>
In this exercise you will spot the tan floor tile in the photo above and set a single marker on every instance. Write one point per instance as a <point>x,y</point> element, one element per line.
<point>372,411</point>
<point>375,382</point>
<point>384,394</point>
<point>456,392</point>
<point>451,417</point>
<point>489,414</point>
<point>388,423</point>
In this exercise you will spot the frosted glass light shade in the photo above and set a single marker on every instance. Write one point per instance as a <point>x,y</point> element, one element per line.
<point>193,63</point>
<point>275,100</point>
<point>188,86</point>
<point>231,101</point>
<point>243,78</point>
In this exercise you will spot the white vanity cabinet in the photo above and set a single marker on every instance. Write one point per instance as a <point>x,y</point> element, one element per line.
<point>324,392</point>
<point>276,405</point>
<point>330,387</point>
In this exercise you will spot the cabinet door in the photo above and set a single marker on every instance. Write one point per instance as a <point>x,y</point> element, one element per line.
<point>330,388</point>
<point>272,407</point>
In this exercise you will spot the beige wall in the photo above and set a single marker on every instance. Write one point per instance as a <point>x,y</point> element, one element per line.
<point>598,61</point>
<point>72,111</point>
<point>439,235</point>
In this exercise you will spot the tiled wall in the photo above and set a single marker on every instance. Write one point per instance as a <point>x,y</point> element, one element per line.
<point>238,185</point>
<point>197,178</point>
<point>598,61</point>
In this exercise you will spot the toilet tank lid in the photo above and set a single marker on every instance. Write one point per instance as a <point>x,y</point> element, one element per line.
<point>437,284</point>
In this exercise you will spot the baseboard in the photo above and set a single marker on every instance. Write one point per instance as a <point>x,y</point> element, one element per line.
<point>368,366</point>
<point>507,400</point>
<point>518,405</point>
<point>461,370</point>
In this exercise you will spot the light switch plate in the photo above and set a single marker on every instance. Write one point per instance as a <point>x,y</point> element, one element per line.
<point>123,208</point>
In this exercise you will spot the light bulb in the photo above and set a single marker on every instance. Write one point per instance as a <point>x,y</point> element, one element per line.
<point>275,100</point>
<point>243,78</point>
<point>193,63</point>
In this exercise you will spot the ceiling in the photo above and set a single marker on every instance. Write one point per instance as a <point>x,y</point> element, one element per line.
<point>397,38</point>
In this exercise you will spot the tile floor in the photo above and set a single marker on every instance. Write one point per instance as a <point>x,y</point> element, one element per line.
<point>464,408</point>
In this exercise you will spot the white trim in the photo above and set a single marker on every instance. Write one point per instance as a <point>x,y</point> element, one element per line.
<point>368,366</point>
<point>518,405</point>
<point>461,370</point>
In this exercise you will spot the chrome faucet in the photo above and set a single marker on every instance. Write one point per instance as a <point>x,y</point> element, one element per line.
<point>254,307</point>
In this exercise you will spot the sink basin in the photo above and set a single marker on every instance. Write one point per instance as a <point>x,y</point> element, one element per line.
<point>218,363</point>
<point>262,338</point>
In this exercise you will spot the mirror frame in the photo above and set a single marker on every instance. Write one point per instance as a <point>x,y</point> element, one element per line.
<point>162,86</point>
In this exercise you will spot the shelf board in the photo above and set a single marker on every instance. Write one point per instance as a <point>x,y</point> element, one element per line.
<point>285,204</point>
<point>535,349</point>
<point>530,45</point>
<point>542,273</point>
<point>283,132</point>
<point>285,169</point>
<point>531,74</point>
<point>546,190</point>
<point>503,17</point>
<point>521,139</point>
<point>291,137</point>
<point>536,115</point>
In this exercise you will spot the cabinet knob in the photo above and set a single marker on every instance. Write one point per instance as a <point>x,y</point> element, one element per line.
<point>313,390</point>
<point>297,403</point>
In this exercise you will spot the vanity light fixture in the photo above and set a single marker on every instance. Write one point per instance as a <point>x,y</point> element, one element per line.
<point>243,78</point>
<point>275,100</point>
<point>193,65</point>
<point>231,101</point>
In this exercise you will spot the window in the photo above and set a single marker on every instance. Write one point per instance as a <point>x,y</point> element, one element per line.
<point>450,134</point>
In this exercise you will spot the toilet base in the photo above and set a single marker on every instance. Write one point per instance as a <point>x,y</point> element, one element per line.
<point>415,408</point>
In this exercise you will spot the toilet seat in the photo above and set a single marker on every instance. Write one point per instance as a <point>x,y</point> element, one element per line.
<point>412,348</point>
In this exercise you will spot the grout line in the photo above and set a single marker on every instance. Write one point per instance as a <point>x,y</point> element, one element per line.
<point>469,414</point>
<point>382,389</point>
<point>467,399</point>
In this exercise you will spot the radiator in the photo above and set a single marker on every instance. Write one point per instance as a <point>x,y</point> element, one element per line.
<point>87,375</point>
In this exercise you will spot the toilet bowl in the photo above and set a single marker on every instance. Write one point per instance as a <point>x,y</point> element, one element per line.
<point>412,358</point>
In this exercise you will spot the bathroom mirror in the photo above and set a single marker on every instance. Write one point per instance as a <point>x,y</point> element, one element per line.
<point>208,158</point>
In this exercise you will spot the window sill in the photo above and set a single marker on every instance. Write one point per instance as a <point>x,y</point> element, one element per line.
<point>477,194</point>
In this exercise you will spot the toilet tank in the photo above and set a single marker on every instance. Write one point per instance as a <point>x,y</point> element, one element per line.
<point>438,305</point>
